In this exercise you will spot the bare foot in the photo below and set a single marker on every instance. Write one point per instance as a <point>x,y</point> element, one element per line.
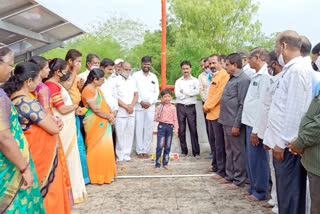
<point>224,181</point>
<point>146,156</point>
<point>232,187</point>
<point>130,160</point>
<point>140,156</point>
<point>166,167</point>
<point>269,212</point>
<point>267,205</point>
<point>252,198</point>
<point>119,162</point>
<point>216,177</point>
<point>208,170</point>
<point>245,193</point>
<point>157,170</point>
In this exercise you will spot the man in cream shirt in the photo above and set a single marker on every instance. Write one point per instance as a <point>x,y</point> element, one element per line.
<point>148,91</point>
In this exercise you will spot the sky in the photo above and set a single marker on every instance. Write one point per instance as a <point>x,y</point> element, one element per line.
<point>275,15</point>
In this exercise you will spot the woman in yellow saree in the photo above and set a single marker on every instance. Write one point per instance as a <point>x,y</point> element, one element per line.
<point>97,124</point>
<point>19,188</point>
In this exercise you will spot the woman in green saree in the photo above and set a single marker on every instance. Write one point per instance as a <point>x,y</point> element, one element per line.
<point>19,188</point>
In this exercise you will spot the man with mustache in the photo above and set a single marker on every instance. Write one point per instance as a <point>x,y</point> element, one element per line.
<point>148,91</point>
<point>186,91</point>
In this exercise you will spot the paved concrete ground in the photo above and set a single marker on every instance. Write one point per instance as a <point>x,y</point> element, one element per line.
<point>185,195</point>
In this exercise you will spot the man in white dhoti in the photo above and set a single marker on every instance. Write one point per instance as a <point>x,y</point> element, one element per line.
<point>126,93</point>
<point>148,90</point>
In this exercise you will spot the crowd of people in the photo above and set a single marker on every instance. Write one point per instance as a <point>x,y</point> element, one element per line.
<point>262,118</point>
<point>61,129</point>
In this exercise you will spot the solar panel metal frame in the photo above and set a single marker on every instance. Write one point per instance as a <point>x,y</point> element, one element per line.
<point>23,39</point>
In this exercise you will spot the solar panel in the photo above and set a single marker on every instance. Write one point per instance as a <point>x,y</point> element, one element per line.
<point>30,28</point>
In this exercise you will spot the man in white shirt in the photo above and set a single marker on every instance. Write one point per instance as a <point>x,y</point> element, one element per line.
<point>148,92</point>
<point>108,90</point>
<point>257,158</point>
<point>275,69</point>
<point>245,62</point>
<point>289,103</point>
<point>93,60</point>
<point>117,65</point>
<point>186,90</point>
<point>127,96</point>
<point>305,53</point>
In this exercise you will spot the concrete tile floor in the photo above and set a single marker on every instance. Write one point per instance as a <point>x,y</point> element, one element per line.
<point>185,195</point>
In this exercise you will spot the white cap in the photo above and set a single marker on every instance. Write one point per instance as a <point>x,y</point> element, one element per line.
<point>117,61</point>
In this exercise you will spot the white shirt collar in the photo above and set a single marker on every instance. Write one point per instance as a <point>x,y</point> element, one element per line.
<point>263,70</point>
<point>247,66</point>
<point>191,77</point>
<point>292,61</point>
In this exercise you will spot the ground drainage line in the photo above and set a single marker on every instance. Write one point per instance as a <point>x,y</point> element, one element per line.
<point>164,176</point>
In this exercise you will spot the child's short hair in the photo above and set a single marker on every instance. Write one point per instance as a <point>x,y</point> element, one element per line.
<point>165,91</point>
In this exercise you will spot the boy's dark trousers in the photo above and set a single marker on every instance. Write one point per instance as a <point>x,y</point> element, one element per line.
<point>164,133</point>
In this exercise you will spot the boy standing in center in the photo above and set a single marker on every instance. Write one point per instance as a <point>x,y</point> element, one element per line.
<point>166,115</point>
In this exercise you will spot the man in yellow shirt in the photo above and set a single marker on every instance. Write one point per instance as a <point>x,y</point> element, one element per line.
<point>212,108</point>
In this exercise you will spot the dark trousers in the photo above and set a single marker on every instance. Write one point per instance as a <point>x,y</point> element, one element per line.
<point>212,139</point>
<point>235,156</point>
<point>114,139</point>
<point>212,142</point>
<point>207,125</point>
<point>291,184</point>
<point>257,168</point>
<point>187,113</point>
<point>314,192</point>
<point>219,153</point>
<point>164,133</point>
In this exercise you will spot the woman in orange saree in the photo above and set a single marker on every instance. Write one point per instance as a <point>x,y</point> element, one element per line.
<point>43,95</point>
<point>97,124</point>
<point>41,131</point>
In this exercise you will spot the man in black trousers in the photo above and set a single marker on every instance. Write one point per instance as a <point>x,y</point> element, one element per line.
<point>186,90</point>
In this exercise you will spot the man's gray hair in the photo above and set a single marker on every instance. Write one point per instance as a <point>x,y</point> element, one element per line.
<point>260,52</point>
<point>91,56</point>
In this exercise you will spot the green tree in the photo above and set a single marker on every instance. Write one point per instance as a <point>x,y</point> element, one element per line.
<point>196,29</point>
<point>111,38</point>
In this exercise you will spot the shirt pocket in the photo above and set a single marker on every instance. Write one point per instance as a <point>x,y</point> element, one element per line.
<point>254,89</point>
<point>232,90</point>
<point>152,86</point>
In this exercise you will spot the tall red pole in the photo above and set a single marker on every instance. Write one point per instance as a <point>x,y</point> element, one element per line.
<point>163,45</point>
